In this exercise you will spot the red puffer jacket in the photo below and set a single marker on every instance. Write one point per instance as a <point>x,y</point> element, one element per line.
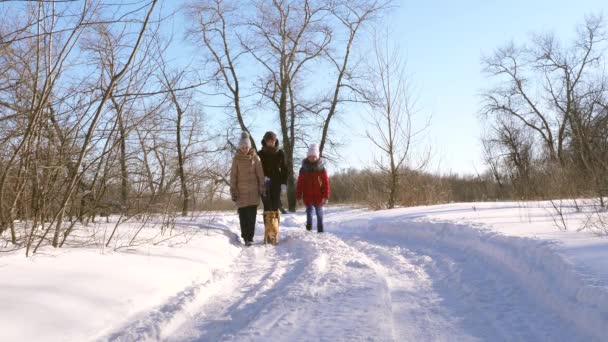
<point>313,183</point>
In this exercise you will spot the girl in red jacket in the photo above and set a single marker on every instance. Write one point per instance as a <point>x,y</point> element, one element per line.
<point>313,187</point>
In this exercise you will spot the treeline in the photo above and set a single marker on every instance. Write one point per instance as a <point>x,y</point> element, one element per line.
<point>364,187</point>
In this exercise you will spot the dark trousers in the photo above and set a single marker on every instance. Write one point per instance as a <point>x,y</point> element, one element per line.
<point>319,210</point>
<point>272,200</point>
<point>247,220</point>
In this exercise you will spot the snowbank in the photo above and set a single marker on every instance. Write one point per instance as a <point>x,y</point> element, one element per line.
<point>543,266</point>
<point>78,294</point>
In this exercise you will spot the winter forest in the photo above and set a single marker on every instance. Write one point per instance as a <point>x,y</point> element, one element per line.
<point>121,124</point>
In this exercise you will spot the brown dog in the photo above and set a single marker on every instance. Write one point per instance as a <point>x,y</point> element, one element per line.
<point>271,227</point>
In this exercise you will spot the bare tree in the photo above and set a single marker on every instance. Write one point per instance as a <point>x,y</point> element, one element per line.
<point>95,121</point>
<point>216,30</point>
<point>38,56</point>
<point>510,154</point>
<point>554,95</point>
<point>353,17</point>
<point>280,41</point>
<point>287,35</point>
<point>56,111</point>
<point>189,143</point>
<point>391,113</point>
<point>107,91</point>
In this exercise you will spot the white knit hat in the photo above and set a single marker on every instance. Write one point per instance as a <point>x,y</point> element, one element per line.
<point>245,141</point>
<point>313,150</point>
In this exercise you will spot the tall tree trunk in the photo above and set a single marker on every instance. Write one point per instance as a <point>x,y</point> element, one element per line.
<point>124,173</point>
<point>180,160</point>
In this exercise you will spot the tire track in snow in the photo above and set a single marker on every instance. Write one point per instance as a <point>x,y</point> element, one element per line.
<point>471,294</point>
<point>223,303</point>
<point>149,325</point>
<point>415,306</point>
<point>339,298</point>
<point>257,277</point>
<point>308,288</point>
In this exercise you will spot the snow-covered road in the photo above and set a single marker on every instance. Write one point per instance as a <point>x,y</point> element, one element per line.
<point>457,272</point>
<point>355,285</point>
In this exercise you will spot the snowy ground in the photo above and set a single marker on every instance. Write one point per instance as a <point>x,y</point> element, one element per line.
<point>459,272</point>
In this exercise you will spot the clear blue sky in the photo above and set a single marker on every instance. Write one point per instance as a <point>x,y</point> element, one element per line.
<point>443,42</point>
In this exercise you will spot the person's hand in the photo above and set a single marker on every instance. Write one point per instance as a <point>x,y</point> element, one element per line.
<point>266,179</point>
<point>283,188</point>
<point>325,200</point>
<point>299,200</point>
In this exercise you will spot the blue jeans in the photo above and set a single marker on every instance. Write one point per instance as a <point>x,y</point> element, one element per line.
<point>319,211</point>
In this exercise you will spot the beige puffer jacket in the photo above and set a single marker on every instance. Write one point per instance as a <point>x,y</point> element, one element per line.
<point>246,179</point>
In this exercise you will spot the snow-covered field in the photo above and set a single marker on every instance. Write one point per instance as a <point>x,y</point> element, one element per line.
<point>458,272</point>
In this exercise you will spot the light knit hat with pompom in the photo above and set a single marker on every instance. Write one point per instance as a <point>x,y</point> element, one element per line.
<point>313,150</point>
<point>245,141</point>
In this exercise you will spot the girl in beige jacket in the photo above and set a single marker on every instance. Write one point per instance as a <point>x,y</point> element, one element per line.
<point>246,186</point>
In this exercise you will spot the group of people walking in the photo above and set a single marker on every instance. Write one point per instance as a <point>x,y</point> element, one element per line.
<point>263,175</point>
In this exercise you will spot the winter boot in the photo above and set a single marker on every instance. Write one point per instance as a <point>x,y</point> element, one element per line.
<point>309,227</point>
<point>271,227</point>
<point>320,229</point>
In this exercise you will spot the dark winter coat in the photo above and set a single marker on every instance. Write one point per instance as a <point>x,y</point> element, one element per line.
<point>273,163</point>
<point>313,183</point>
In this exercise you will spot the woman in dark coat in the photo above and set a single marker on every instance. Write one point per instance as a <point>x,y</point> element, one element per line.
<point>275,170</point>
<point>275,180</point>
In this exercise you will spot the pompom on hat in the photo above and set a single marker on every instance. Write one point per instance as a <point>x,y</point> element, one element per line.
<point>245,140</point>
